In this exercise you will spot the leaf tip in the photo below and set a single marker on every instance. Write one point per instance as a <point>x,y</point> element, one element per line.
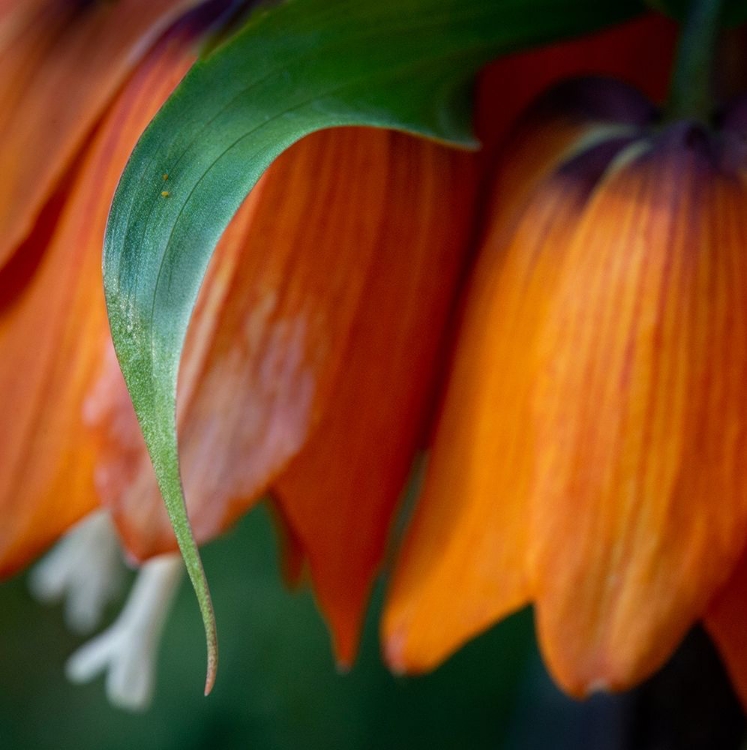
<point>212,659</point>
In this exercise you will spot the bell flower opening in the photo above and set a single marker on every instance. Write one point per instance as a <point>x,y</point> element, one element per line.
<point>594,412</point>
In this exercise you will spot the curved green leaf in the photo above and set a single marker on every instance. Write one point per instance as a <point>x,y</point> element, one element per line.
<point>294,69</point>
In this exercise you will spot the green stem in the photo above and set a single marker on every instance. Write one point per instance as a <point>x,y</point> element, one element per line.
<point>690,90</point>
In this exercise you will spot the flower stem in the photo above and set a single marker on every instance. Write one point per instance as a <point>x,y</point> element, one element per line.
<point>690,93</point>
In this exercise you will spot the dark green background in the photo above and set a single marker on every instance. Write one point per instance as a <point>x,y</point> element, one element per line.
<point>277,685</point>
<point>278,688</point>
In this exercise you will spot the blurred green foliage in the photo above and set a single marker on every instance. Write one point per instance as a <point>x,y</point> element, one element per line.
<point>277,685</point>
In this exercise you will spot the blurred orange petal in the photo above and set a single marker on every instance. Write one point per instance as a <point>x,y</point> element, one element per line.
<point>63,63</point>
<point>269,338</point>
<point>469,532</point>
<point>53,331</point>
<point>340,492</point>
<point>640,414</point>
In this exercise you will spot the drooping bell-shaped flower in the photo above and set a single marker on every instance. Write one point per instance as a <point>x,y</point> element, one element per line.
<point>313,358</point>
<point>590,451</point>
<point>53,328</point>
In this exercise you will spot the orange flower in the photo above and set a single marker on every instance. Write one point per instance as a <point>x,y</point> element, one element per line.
<point>60,159</point>
<point>592,409</point>
<point>588,431</point>
<point>351,235</point>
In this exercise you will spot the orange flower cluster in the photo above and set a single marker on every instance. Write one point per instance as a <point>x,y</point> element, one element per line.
<point>587,275</point>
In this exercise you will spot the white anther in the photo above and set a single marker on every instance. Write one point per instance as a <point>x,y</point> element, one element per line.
<point>85,571</point>
<point>127,650</point>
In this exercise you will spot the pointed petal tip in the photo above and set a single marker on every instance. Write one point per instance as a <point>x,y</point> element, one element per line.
<point>598,672</point>
<point>586,689</point>
<point>582,686</point>
<point>345,636</point>
<point>343,666</point>
<point>402,657</point>
<point>394,653</point>
<point>595,687</point>
<point>416,640</point>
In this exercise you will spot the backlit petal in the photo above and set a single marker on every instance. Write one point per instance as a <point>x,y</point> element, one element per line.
<point>469,532</point>
<point>63,63</point>
<point>53,331</point>
<point>340,492</point>
<point>639,501</point>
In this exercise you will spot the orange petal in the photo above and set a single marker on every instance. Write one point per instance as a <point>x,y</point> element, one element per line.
<point>469,532</point>
<point>268,339</point>
<point>62,64</point>
<point>53,331</point>
<point>340,492</point>
<point>640,415</point>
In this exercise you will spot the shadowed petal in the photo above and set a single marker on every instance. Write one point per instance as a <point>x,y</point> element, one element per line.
<point>340,492</point>
<point>53,331</point>
<point>469,532</point>
<point>62,62</point>
<point>639,502</point>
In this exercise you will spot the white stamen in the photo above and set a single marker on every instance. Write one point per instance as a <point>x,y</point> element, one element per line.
<point>85,570</point>
<point>127,650</point>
